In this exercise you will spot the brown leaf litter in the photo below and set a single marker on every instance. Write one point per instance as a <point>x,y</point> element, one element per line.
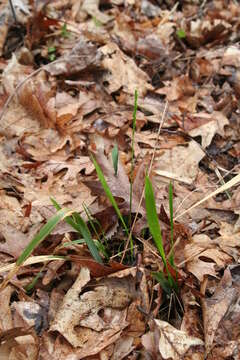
<point>69,70</point>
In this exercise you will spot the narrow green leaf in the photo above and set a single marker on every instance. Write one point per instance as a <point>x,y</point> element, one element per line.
<point>42,234</point>
<point>115,159</point>
<point>132,160</point>
<point>97,22</point>
<point>181,34</point>
<point>79,225</point>
<point>51,49</point>
<point>32,284</point>
<point>135,108</point>
<point>64,32</point>
<point>83,229</point>
<point>73,242</point>
<point>170,196</point>
<point>161,278</point>
<point>132,146</point>
<point>108,192</point>
<point>98,242</point>
<point>152,218</point>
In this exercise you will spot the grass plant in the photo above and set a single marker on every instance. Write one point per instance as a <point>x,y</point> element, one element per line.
<point>115,159</point>
<point>77,223</point>
<point>155,230</point>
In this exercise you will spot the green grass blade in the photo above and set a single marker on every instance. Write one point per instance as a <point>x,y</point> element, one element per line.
<point>83,229</point>
<point>132,161</point>
<point>74,242</point>
<point>87,212</point>
<point>98,224</point>
<point>42,234</point>
<point>152,219</point>
<point>132,146</point>
<point>161,278</point>
<point>77,223</point>
<point>108,192</point>
<point>170,196</point>
<point>115,159</point>
<point>32,284</point>
<point>98,242</point>
<point>181,34</point>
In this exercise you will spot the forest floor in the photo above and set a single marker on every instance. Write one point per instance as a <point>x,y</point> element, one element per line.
<point>99,99</point>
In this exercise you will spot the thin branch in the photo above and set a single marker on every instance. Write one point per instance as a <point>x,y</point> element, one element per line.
<point>13,11</point>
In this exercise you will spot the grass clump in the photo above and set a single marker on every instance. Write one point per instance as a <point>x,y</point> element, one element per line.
<point>167,281</point>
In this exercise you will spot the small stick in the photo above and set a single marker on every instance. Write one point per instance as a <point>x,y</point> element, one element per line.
<point>13,11</point>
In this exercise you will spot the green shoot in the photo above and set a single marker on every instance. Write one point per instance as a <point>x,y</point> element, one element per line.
<point>161,278</point>
<point>78,224</point>
<point>52,53</point>
<point>100,246</point>
<point>42,234</point>
<point>64,32</point>
<point>98,224</point>
<point>132,146</point>
<point>96,21</point>
<point>32,284</point>
<point>170,196</point>
<point>109,193</point>
<point>181,34</point>
<point>115,159</point>
<point>152,219</point>
<point>74,242</point>
<point>154,226</point>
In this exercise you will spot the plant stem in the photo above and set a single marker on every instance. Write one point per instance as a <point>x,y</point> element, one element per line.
<point>132,161</point>
<point>13,11</point>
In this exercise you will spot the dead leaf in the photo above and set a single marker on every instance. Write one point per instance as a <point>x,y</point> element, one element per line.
<point>204,256</point>
<point>122,72</point>
<point>5,18</point>
<point>229,241</point>
<point>173,343</point>
<point>84,56</point>
<point>79,320</point>
<point>6,322</point>
<point>180,163</point>
<point>92,8</point>
<point>175,90</point>
<point>215,125</point>
<point>221,314</point>
<point>231,56</point>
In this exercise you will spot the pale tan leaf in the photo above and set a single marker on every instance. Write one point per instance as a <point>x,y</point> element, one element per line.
<point>180,163</point>
<point>234,181</point>
<point>216,124</point>
<point>175,343</point>
<point>122,72</point>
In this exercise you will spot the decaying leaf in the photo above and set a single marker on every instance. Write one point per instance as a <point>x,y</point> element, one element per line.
<point>221,312</point>
<point>122,72</point>
<point>92,8</point>
<point>215,125</point>
<point>173,343</point>
<point>203,255</point>
<point>5,16</point>
<point>95,319</point>
<point>180,163</point>
<point>69,72</point>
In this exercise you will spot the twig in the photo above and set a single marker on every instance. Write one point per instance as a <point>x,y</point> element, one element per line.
<point>13,12</point>
<point>222,188</point>
<point>13,268</point>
